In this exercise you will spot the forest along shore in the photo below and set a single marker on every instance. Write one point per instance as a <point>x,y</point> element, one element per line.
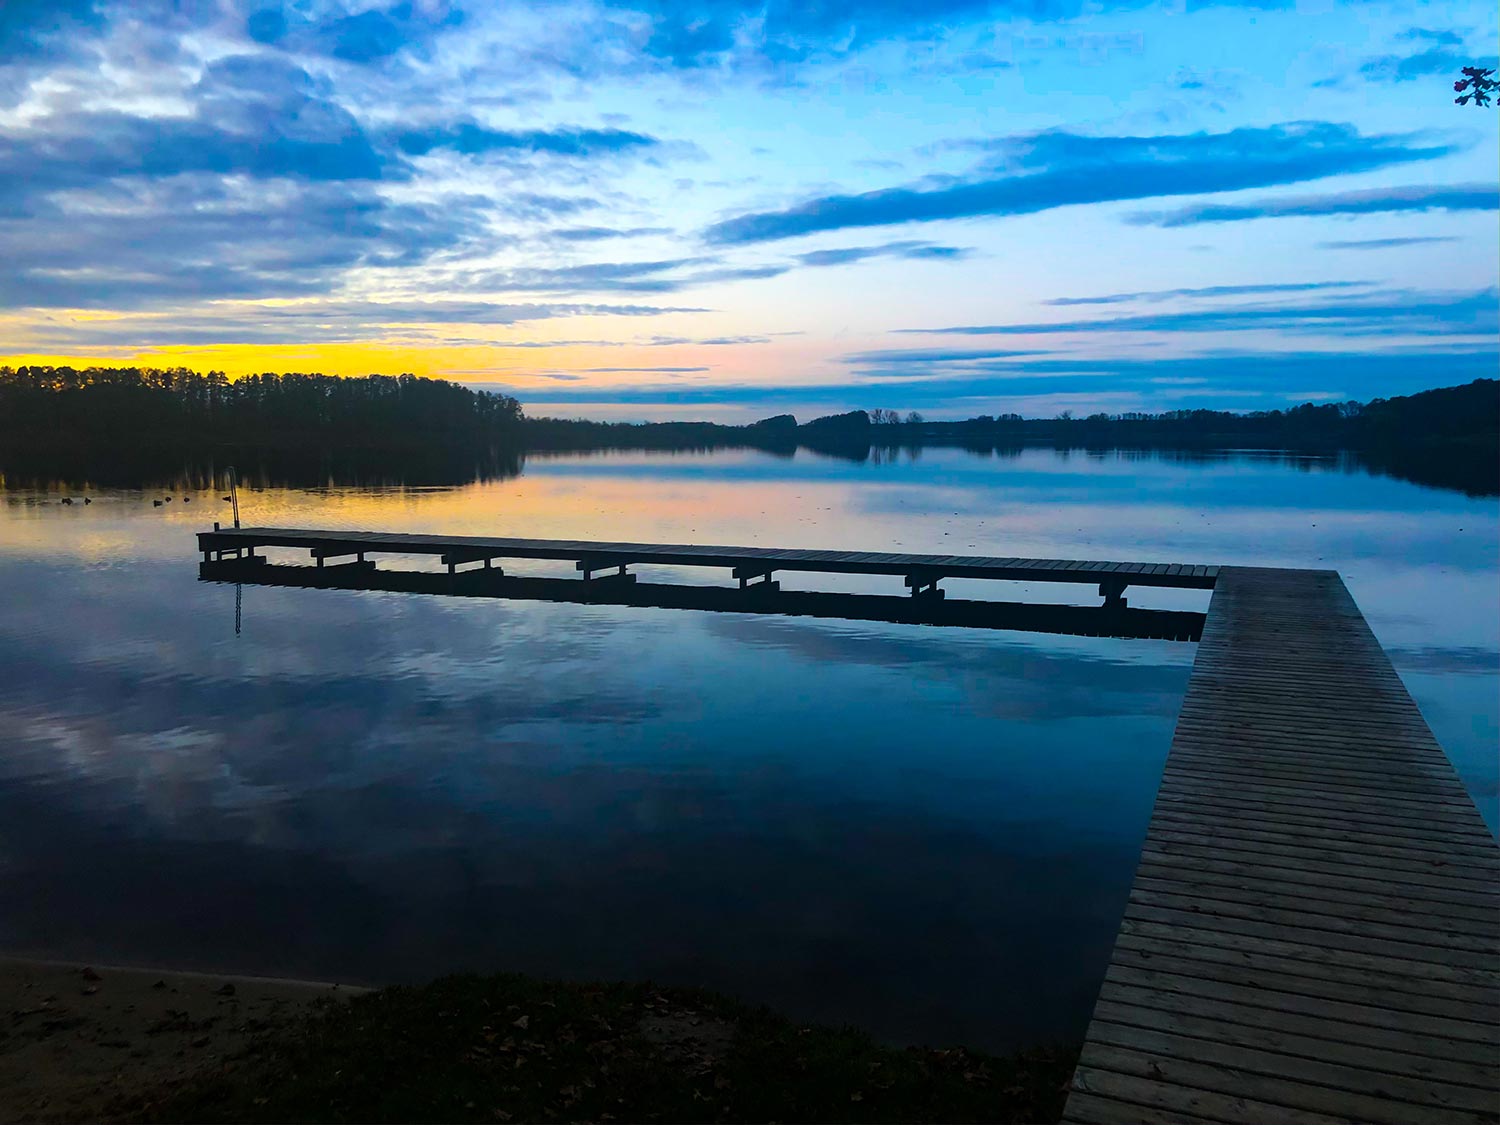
<point>108,424</point>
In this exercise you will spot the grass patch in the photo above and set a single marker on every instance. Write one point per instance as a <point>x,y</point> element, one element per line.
<point>511,1048</point>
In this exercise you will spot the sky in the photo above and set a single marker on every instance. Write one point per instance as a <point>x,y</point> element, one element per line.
<point>727,210</point>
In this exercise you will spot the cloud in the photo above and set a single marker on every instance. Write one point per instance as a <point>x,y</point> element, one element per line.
<point>1408,68</point>
<point>252,116</point>
<point>1442,36</point>
<point>1207,291</point>
<point>137,243</point>
<point>245,176</point>
<point>600,234</point>
<point>736,273</point>
<point>1386,243</point>
<point>623,277</point>
<point>910,250</point>
<point>32,29</point>
<point>319,321</point>
<point>1384,313</point>
<point>368,36</point>
<point>1057,169</point>
<point>658,370</point>
<point>695,34</point>
<point>652,342</point>
<point>936,355</point>
<point>1158,381</point>
<point>472,139</point>
<point>1417,197</point>
<point>1436,60</point>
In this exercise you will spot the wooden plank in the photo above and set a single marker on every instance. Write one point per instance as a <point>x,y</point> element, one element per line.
<point>1310,1026</point>
<point>1311,934</point>
<point>1340,899</point>
<point>1422,942</point>
<point>1321,1086</point>
<point>1166,1101</point>
<point>1182,946</point>
<point>1344,801</point>
<point>1382,1007</point>
<point>1395,958</point>
<point>1295,1002</point>
<point>1370,861</point>
<point>1232,822</point>
<point>1317,877</point>
<point>1256,1038</point>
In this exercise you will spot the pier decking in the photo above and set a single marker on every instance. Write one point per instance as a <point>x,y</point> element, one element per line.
<point>1314,931</point>
<point>1313,934</point>
<point>746,563</point>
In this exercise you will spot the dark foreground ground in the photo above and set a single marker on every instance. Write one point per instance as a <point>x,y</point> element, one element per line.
<point>492,1049</point>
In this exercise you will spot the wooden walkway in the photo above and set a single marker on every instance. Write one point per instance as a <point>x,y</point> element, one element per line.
<point>1314,930</point>
<point>746,562</point>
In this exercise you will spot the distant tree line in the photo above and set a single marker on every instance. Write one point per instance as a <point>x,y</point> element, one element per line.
<point>134,404</point>
<point>1463,415</point>
<point>431,430</point>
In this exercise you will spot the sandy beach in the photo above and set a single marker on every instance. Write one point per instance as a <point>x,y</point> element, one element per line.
<point>78,1040</point>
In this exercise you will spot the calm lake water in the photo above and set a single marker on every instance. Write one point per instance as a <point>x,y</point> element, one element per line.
<point>929,833</point>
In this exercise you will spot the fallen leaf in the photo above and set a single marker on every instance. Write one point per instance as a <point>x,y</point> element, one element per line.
<point>523,1023</point>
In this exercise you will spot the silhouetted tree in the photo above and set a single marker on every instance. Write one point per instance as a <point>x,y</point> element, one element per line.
<point>1480,86</point>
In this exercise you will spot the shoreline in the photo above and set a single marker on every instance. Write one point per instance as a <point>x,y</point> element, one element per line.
<point>78,1037</point>
<point>84,1042</point>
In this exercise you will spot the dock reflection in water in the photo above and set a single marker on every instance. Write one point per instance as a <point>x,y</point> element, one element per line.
<point>1083,621</point>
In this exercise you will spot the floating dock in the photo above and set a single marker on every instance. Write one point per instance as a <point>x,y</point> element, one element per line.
<point>1313,934</point>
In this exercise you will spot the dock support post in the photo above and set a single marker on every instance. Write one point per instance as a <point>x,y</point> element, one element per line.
<point>1112,590</point>
<point>925,585</point>
<point>590,567</point>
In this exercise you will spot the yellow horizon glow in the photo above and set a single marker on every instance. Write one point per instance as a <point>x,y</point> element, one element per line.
<point>345,360</point>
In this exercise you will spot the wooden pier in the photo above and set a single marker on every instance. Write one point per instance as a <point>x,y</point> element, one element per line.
<point>750,565</point>
<point>1314,931</point>
<point>1313,934</point>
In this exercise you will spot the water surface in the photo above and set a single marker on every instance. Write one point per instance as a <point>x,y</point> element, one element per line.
<point>926,832</point>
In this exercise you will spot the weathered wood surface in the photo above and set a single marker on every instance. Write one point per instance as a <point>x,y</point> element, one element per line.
<point>1313,934</point>
<point>475,548</point>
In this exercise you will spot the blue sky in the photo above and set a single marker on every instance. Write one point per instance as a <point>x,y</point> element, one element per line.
<point>726,210</point>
